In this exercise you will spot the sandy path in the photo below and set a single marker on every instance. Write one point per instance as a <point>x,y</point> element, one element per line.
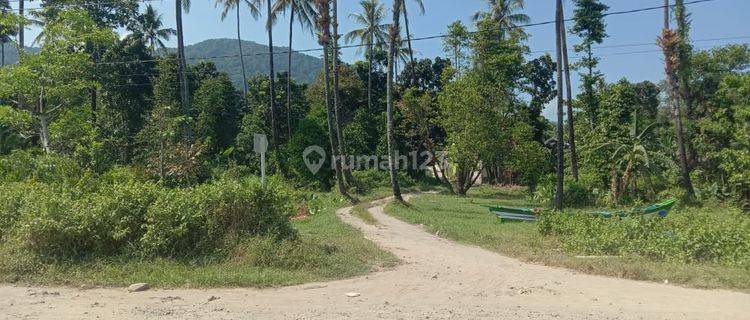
<point>439,279</point>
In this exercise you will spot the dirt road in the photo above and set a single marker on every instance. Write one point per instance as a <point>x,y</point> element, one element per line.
<point>439,279</point>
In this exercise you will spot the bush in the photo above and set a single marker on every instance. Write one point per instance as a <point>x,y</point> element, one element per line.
<point>120,212</point>
<point>15,128</point>
<point>196,221</point>
<point>688,235</point>
<point>373,178</point>
<point>575,194</point>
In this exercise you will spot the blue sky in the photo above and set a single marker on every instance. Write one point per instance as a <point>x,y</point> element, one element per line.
<point>711,20</point>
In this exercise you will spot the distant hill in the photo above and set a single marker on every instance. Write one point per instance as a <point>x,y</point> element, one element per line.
<point>305,67</point>
<point>223,53</point>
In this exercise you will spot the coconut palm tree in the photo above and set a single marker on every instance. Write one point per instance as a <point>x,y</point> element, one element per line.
<point>393,39</point>
<point>505,12</point>
<point>372,34</point>
<point>324,37</point>
<point>420,5</point>
<point>304,12</point>
<point>180,6</point>
<point>252,6</point>
<point>149,26</point>
<point>336,97</point>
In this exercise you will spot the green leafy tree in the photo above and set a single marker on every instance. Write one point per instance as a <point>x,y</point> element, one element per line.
<point>105,14</point>
<point>540,86</point>
<point>725,138</point>
<point>127,96</point>
<point>473,128</point>
<point>456,42</point>
<point>589,25</point>
<point>54,77</point>
<point>420,123</point>
<point>216,113</point>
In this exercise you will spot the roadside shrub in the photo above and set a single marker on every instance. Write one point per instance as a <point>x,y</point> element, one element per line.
<point>689,235</point>
<point>139,218</point>
<point>373,178</point>
<point>575,194</point>
<point>12,198</point>
<point>195,221</point>
<point>115,215</point>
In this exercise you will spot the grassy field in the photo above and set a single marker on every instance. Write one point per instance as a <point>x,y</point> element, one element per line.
<point>466,221</point>
<point>327,249</point>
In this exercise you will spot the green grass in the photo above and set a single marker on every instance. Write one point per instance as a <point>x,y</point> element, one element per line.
<point>327,249</point>
<point>463,219</point>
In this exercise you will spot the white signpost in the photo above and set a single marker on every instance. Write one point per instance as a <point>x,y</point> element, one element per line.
<point>260,145</point>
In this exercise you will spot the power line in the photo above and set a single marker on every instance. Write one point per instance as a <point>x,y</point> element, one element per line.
<point>156,73</point>
<point>440,36</point>
<point>643,44</point>
<point>638,10</point>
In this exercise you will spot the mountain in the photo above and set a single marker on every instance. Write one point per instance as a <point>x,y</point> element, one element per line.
<point>223,53</point>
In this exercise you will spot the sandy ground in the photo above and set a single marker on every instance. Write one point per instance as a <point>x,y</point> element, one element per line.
<point>439,279</point>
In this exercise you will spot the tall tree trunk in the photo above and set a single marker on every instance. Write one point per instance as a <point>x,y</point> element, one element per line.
<point>43,125</point>
<point>560,120</point>
<point>324,24</point>
<point>21,28</point>
<point>242,56</point>
<point>94,99</point>
<point>684,75</point>
<point>592,103</point>
<point>569,94</point>
<point>408,42</point>
<point>671,47</point>
<point>2,54</point>
<point>21,46</point>
<point>369,75</point>
<point>182,64</point>
<point>272,88</point>
<point>337,98</point>
<point>394,35</point>
<point>289,76</point>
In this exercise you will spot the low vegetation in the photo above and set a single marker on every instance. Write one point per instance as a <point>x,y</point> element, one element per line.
<point>704,247</point>
<point>63,224</point>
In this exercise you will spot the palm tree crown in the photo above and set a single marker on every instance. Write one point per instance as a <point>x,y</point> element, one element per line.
<point>373,32</point>
<point>253,7</point>
<point>505,12</point>
<point>304,11</point>
<point>149,26</point>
